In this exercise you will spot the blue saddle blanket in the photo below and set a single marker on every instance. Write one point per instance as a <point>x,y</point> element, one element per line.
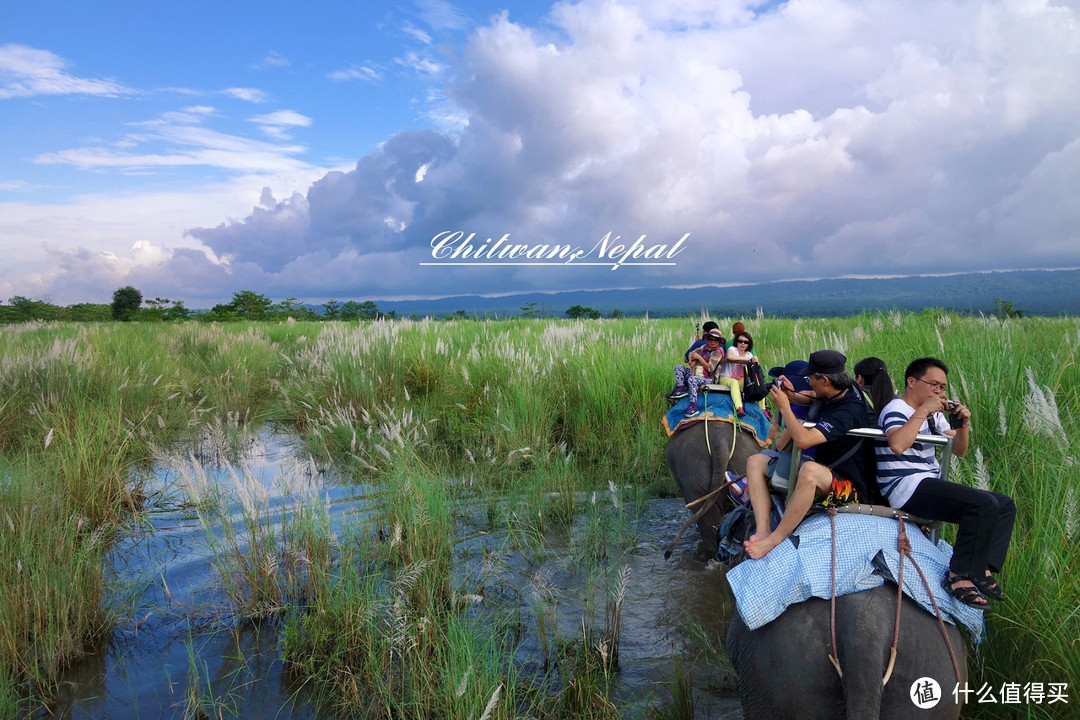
<point>718,406</point>
<point>792,573</point>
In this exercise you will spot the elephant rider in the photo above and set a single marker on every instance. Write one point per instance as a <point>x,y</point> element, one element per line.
<point>706,360</point>
<point>701,341</point>
<point>873,378</point>
<point>683,372</point>
<point>909,477</point>
<point>842,465</point>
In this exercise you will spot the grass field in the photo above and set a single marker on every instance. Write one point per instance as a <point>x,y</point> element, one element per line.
<point>437,412</point>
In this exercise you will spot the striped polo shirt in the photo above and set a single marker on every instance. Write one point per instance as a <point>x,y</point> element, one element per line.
<point>899,475</point>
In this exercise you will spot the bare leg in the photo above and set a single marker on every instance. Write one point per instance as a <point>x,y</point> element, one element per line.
<point>814,479</point>
<point>757,484</point>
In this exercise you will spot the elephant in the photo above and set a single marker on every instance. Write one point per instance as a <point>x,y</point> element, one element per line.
<point>697,474</point>
<point>785,673</point>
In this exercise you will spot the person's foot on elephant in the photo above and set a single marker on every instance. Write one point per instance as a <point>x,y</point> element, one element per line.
<point>760,547</point>
<point>989,587</point>
<point>678,392</point>
<point>691,411</point>
<point>756,537</point>
<point>963,589</point>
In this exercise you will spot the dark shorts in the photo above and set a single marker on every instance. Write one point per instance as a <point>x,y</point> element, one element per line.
<point>779,462</point>
<point>841,492</point>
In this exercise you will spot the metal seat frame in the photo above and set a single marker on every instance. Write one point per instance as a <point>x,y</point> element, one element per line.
<point>943,441</point>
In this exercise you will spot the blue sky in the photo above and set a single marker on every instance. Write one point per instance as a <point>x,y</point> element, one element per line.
<point>315,150</point>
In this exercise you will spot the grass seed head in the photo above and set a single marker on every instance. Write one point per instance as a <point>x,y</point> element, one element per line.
<point>491,703</point>
<point>982,477</point>
<point>464,684</point>
<point>1072,520</point>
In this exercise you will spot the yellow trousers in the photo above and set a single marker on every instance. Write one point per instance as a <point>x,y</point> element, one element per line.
<point>736,389</point>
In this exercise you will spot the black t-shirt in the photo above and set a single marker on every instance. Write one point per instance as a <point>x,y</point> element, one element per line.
<point>834,418</point>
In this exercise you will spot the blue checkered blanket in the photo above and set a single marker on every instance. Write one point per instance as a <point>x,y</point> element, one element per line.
<point>865,549</point>
<point>718,406</point>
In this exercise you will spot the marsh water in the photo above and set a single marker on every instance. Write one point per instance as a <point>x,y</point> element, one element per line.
<point>173,642</point>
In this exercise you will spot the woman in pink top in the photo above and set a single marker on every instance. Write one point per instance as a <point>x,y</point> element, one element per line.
<point>733,370</point>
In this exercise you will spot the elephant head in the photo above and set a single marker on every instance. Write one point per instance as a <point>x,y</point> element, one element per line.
<point>785,672</point>
<point>698,463</point>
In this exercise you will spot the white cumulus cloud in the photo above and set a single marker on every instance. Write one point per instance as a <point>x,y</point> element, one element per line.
<point>841,137</point>
<point>927,130</point>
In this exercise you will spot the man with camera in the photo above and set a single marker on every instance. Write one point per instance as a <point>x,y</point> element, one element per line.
<point>791,380</point>
<point>842,466</point>
<point>908,475</point>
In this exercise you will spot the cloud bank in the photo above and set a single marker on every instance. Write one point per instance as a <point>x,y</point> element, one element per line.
<point>816,138</point>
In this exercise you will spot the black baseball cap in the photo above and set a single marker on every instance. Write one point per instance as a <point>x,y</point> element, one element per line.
<point>826,362</point>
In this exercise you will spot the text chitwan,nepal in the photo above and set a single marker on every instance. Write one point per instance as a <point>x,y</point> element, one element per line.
<point>454,247</point>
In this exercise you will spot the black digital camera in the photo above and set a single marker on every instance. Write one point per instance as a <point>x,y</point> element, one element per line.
<point>955,421</point>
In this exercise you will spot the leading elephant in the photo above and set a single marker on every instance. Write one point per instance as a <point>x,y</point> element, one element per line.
<point>698,467</point>
<point>785,673</point>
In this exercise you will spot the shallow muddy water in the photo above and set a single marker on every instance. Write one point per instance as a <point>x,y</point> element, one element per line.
<point>172,645</point>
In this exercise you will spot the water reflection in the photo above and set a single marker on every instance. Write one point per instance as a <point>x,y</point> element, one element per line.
<point>177,647</point>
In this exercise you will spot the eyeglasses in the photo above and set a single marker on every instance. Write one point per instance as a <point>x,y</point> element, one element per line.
<point>742,342</point>
<point>933,385</point>
<point>716,340</point>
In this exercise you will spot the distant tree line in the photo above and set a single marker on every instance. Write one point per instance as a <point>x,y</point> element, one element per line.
<point>249,305</point>
<point>128,305</point>
<point>22,309</point>
<point>574,312</point>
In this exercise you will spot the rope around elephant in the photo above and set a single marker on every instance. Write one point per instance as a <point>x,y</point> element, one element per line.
<point>709,498</point>
<point>903,545</point>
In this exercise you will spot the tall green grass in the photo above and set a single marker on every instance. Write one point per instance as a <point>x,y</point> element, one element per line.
<point>526,417</point>
<point>51,582</point>
<point>80,410</point>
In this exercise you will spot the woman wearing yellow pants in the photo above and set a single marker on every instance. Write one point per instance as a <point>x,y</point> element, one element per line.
<point>733,370</point>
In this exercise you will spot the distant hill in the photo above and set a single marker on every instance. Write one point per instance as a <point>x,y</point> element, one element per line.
<point>1035,292</point>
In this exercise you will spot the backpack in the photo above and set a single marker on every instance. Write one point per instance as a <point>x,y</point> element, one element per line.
<point>737,526</point>
<point>755,387</point>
